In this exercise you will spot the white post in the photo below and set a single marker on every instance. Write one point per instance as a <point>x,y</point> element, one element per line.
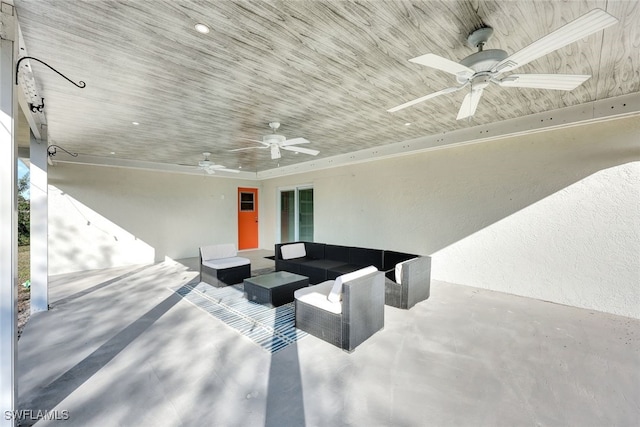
<point>39,223</point>
<point>8,218</point>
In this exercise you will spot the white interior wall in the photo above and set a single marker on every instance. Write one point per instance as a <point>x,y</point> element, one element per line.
<point>552,215</point>
<point>102,217</point>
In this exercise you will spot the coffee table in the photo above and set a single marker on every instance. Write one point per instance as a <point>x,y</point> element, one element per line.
<point>274,289</point>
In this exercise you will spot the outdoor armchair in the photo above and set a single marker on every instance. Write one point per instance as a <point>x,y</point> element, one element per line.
<point>220,266</point>
<point>344,312</point>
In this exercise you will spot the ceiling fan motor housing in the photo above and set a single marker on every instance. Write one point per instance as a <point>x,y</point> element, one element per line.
<point>484,60</point>
<point>273,139</point>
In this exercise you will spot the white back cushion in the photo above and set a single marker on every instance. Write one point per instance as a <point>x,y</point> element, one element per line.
<point>295,250</point>
<point>399,269</point>
<point>225,250</point>
<point>336,291</point>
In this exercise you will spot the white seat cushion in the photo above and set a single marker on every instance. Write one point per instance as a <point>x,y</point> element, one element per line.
<point>222,263</point>
<point>295,250</point>
<point>225,250</point>
<point>335,295</point>
<point>317,296</point>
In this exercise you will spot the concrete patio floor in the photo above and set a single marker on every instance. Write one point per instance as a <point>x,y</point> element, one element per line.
<point>120,348</point>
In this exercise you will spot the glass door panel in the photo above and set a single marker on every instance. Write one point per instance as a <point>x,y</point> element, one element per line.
<point>305,208</point>
<point>287,216</point>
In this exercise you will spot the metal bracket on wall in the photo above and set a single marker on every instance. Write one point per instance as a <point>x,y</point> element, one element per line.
<point>36,108</point>
<point>80,84</point>
<point>52,150</point>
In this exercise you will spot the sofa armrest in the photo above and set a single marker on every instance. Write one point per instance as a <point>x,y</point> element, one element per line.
<point>415,281</point>
<point>362,309</point>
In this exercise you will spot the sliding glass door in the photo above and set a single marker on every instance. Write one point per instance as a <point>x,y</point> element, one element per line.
<point>296,214</point>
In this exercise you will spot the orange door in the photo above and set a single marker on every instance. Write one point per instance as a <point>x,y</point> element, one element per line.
<point>247,218</point>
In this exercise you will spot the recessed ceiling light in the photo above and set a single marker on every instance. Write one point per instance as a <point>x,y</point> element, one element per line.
<point>135,123</point>
<point>407,124</point>
<point>239,167</point>
<point>201,28</point>
<point>113,152</point>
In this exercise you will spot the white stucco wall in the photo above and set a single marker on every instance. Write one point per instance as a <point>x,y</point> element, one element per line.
<point>553,215</point>
<point>102,217</point>
<point>579,246</point>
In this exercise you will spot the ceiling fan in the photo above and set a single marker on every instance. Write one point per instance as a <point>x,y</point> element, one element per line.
<point>488,66</point>
<point>275,142</point>
<point>209,167</point>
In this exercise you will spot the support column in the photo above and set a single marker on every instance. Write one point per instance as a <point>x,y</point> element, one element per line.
<point>8,218</point>
<point>39,207</point>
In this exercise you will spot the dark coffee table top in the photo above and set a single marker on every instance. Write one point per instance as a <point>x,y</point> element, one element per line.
<point>275,279</point>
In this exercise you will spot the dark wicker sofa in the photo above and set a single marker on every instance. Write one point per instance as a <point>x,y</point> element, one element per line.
<point>407,276</point>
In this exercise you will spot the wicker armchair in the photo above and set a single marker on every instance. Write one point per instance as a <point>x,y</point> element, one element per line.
<point>344,312</point>
<point>219,265</point>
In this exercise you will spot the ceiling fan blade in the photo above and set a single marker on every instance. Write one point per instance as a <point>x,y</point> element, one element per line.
<point>424,98</point>
<point>544,81</point>
<point>249,148</point>
<point>295,141</point>
<point>218,168</point>
<point>469,104</point>
<point>301,150</point>
<point>255,140</point>
<point>209,171</point>
<point>443,64</point>
<point>587,24</point>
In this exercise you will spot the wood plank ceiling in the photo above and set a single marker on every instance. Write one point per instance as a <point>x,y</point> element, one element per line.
<point>327,70</point>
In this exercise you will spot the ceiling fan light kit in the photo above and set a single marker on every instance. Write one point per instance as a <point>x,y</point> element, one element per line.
<point>275,151</point>
<point>483,67</point>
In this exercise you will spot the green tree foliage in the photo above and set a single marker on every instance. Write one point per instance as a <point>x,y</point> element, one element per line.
<point>24,214</point>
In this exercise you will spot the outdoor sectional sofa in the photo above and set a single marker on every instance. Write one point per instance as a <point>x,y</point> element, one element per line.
<point>407,276</point>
